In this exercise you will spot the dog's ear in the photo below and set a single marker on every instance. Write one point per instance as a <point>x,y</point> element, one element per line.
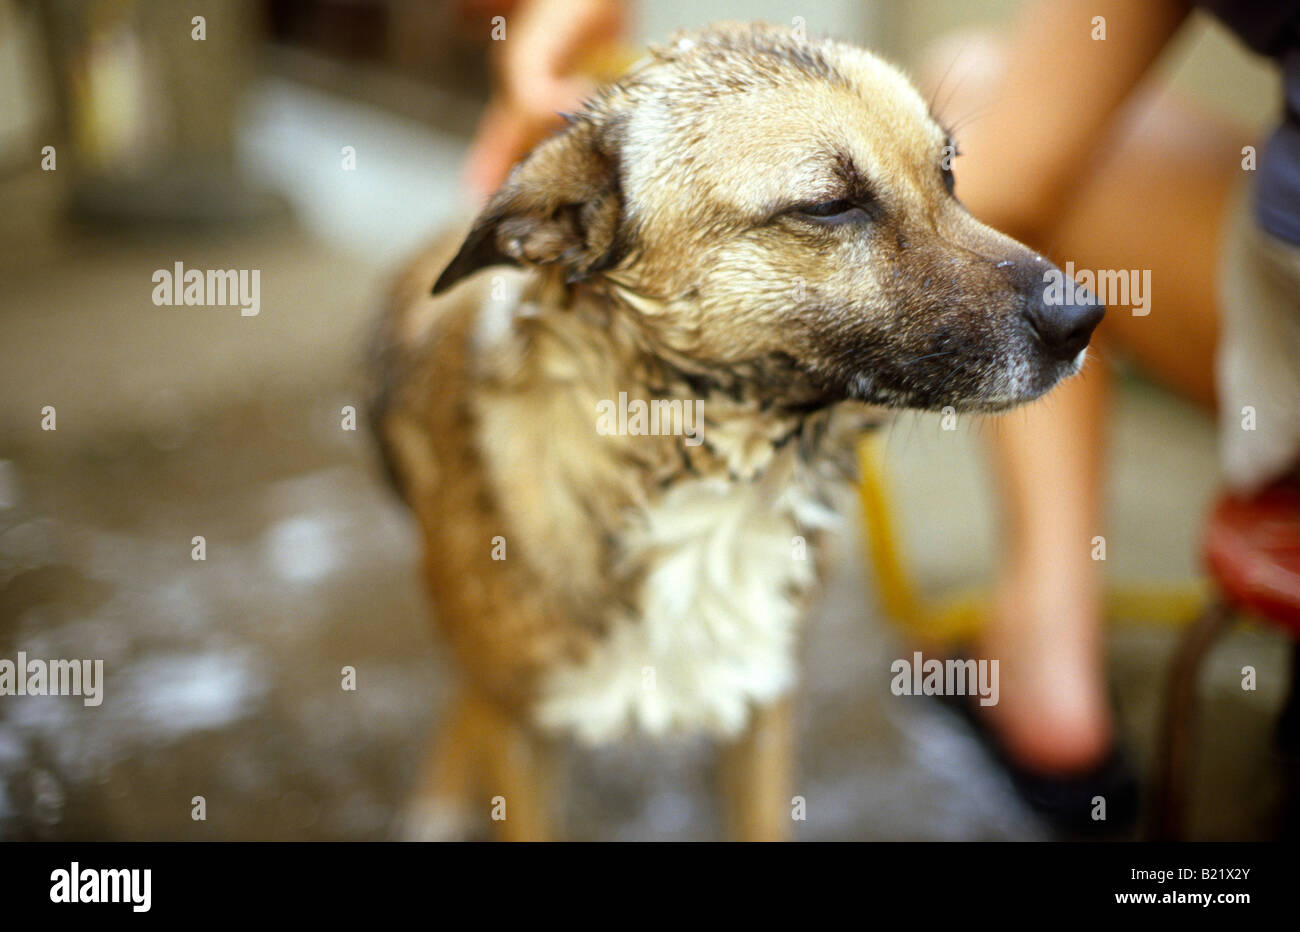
<point>560,206</point>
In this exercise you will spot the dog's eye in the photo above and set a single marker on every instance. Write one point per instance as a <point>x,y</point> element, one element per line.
<point>832,212</point>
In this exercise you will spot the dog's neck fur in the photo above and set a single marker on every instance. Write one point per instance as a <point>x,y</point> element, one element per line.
<point>675,557</point>
<point>547,356</point>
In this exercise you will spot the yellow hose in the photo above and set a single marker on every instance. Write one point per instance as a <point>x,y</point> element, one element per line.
<point>959,618</point>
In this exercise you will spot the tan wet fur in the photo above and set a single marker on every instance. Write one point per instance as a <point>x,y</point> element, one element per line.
<point>673,243</point>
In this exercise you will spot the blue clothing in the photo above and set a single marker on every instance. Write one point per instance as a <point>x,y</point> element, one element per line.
<point>1272,28</point>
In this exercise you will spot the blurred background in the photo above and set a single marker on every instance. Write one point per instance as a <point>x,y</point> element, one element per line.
<point>222,676</point>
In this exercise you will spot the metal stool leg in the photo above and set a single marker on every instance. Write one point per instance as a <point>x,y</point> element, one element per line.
<point>1288,742</point>
<point>1178,728</point>
<point>1288,724</point>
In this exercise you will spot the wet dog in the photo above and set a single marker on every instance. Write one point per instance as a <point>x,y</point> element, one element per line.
<point>750,226</point>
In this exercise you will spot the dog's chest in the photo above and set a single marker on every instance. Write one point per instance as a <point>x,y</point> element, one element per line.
<point>724,572</point>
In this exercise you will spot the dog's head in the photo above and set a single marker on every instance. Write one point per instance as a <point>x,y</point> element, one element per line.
<point>785,208</point>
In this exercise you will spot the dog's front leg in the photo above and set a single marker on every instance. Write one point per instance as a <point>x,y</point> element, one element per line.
<point>757,773</point>
<point>479,756</point>
<point>443,807</point>
<point>517,772</point>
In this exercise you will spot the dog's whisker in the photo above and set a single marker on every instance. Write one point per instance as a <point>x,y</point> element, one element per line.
<point>970,118</point>
<point>938,88</point>
<point>930,356</point>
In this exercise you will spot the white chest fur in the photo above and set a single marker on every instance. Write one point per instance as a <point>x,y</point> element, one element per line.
<point>724,572</point>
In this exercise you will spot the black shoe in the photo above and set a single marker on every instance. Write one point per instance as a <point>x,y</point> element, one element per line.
<point>1067,801</point>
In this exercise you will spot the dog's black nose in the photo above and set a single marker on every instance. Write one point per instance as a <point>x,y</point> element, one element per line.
<point>1064,323</point>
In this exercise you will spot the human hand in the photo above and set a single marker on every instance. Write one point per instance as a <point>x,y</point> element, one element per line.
<point>537,78</point>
